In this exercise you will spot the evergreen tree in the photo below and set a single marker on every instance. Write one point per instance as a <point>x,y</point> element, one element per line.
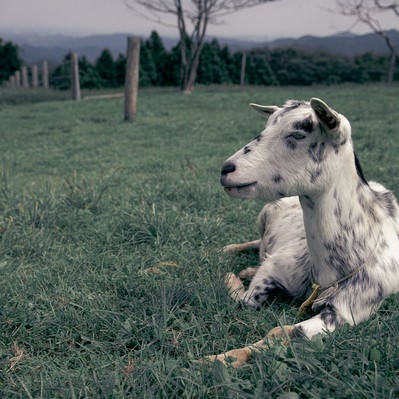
<point>212,68</point>
<point>105,68</point>
<point>89,76</point>
<point>229,63</point>
<point>158,55</point>
<point>172,71</point>
<point>148,72</point>
<point>259,70</point>
<point>9,60</point>
<point>235,69</point>
<point>370,68</point>
<point>120,70</point>
<point>60,77</point>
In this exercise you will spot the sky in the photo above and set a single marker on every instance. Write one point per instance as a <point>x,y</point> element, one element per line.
<point>283,18</point>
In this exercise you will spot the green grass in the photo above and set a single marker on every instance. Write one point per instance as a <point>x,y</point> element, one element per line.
<point>111,271</point>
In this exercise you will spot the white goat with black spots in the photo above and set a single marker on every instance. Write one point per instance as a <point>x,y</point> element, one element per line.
<point>338,231</point>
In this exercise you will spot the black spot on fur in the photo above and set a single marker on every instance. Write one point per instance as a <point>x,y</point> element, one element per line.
<point>330,317</point>
<point>290,142</point>
<point>314,175</point>
<point>258,137</point>
<point>312,146</point>
<point>360,279</point>
<point>337,255</point>
<point>291,105</point>
<point>274,288</point>
<point>307,201</point>
<point>359,170</point>
<point>271,240</point>
<point>338,210</point>
<point>298,333</point>
<point>246,150</point>
<point>305,125</point>
<point>277,178</point>
<point>317,152</point>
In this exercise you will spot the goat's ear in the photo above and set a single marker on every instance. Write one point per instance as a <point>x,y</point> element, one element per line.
<point>265,110</point>
<point>327,116</point>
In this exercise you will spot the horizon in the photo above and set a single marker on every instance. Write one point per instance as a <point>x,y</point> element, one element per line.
<point>32,35</point>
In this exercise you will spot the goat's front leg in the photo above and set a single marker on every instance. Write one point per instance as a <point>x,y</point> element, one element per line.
<point>238,357</point>
<point>308,329</point>
<point>236,248</point>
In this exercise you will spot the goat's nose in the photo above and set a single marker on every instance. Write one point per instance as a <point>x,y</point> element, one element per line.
<point>227,168</point>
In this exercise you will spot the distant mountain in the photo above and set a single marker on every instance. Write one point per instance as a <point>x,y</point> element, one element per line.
<point>34,48</point>
<point>346,44</point>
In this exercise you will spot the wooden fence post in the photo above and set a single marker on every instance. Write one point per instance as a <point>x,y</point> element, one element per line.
<point>132,77</point>
<point>45,75</point>
<point>75,77</point>
<point>243,66</point>
<point>17,79</point>
<point>12,82</point>
<point>35,80</point>
<point>24,73</point>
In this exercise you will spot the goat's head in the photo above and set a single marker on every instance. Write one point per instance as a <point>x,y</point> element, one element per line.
<point>303,145</point>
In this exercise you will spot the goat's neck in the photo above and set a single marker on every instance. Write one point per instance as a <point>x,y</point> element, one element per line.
<point>341,227</point>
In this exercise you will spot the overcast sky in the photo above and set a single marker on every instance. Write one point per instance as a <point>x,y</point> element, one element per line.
<point>283,18</point>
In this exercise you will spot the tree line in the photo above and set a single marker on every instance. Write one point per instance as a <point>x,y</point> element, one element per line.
<point>9,60</point>
<point>217,65</point>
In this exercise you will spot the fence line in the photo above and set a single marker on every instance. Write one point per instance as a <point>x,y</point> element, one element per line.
<point>131,79</point>
<point>20,78</point>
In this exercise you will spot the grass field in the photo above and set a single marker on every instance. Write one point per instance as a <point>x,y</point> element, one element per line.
<point>111,270</point>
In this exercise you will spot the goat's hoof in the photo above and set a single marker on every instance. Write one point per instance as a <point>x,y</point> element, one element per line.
<point>229,279</point>
<point>247,273</point>
<point>234,286</point>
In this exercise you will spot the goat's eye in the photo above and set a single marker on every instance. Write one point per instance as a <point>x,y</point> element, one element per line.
<point>297,136</point>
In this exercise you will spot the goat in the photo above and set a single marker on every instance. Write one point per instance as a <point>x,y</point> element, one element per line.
<point>338,231</point>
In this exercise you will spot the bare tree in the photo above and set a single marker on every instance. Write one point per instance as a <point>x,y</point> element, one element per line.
<point>366,11</point>
<point>193,18</point>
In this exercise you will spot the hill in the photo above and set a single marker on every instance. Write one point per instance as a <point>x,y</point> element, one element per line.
<point>345,43</point>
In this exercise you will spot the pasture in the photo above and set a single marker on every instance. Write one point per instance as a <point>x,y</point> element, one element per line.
<point>111,269</point>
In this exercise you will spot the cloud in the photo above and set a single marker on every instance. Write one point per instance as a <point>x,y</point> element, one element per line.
<point>277,19</point>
